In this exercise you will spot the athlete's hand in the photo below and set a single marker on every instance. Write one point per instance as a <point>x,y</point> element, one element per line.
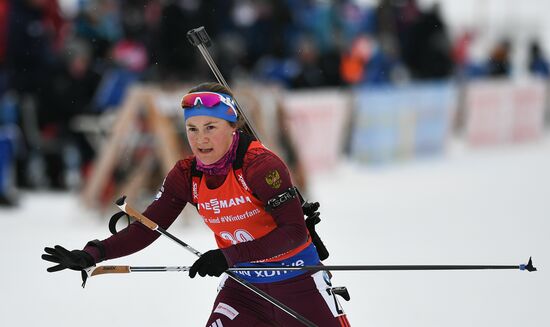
<point>211,263</point>
<point>65,259</point>
<point>310,210</point>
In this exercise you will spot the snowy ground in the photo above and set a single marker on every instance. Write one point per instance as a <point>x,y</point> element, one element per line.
<point>487,206</point>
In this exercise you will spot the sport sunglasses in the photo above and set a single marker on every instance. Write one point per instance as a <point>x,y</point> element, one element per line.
<point>207,99</point>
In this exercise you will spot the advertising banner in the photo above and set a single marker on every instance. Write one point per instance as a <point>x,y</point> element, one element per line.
<point>316,121</point>
<point>400,122</point>
<point>504,111</point>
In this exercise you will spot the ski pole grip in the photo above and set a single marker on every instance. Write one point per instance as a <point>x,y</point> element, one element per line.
<point>198,36</point>
<point>121,203</point>
<point>110,270</point>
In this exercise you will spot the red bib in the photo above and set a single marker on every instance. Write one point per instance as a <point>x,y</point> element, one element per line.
<point>234,214</point>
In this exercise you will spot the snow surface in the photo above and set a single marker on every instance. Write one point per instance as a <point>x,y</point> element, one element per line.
<point>472,206</point>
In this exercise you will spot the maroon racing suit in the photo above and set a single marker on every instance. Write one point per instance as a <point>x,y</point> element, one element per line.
<point>308,294</point>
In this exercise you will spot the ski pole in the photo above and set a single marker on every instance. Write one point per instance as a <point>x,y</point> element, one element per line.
<point>199,38</point>
<point>93,271</point>
<point>121,203</point>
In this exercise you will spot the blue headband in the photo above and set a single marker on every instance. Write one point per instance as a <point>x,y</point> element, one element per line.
<point>222,110</point>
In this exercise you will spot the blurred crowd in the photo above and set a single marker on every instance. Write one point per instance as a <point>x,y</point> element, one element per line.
<point>63,58</point>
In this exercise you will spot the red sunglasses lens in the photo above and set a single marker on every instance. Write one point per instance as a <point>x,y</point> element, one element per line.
<point>206,99</point>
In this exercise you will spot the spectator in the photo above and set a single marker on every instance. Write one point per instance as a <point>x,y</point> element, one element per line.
<point>30,50</point>
<point>428,55</point>
<point>176,57</point>
<point>128,60</point>
<point>370,61</point>
<point>29,56</point>
<point>256,19</point>
<point>384,65</point>
<point>99,23</point>
<point>538,64</point>
<point>355,19</point>
<point>309,74</point>
<point>70,91</point>
<point>353,64</point>
<point>394,23</point>
<point>461,52</point>
<point>499,60</point>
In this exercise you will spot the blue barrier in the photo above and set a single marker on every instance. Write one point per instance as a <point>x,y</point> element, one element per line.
<point>400,122</point>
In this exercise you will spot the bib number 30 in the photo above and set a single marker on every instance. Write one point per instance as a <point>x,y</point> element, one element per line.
<point>239,236</point>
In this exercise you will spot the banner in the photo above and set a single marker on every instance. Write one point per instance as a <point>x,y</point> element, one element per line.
<point>504,111</point>
<point>316,122</point>
<point>400,122</point>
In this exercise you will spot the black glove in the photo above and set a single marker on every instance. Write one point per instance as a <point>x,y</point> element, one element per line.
<point>75,259</point>
<point>310,210</point>
<point>211,263</point>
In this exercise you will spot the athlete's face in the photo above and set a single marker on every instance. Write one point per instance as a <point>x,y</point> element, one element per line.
<point>209,137</point>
